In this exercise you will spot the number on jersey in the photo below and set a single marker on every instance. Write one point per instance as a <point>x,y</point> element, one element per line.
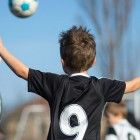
<point>65,126</point>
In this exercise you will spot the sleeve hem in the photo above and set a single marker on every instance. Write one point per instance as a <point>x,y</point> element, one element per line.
<point>28,80</point>
<point>121,95</point>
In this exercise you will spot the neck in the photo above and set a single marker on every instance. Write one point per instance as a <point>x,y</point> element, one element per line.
<point>118,120</point>
<point>84,72</point>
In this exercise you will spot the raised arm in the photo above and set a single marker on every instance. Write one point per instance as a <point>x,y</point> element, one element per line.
<point>14,64</point>
<point>132,85</point>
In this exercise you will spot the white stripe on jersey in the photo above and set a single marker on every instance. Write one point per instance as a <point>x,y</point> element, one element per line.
<point>111,137</point>
<point>79,74</point>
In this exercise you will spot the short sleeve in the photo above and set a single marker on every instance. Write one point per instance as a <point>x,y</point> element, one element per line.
<point>113,90</point>
<point>43,84</point>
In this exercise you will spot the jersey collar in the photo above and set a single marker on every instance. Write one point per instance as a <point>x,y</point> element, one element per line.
<point>79,74</point>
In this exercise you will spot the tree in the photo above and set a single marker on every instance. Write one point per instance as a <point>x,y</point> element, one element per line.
<point>111,19</point>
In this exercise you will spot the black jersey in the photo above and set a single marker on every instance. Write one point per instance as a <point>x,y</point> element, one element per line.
<point>76,102</point>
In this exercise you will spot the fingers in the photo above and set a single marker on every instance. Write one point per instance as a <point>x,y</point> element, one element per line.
<point>1,45</point>
<point>1,42</point>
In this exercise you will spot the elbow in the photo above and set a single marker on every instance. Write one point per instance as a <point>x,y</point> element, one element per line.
<point>22,74</point>
<point>131,88</point>
<point>133,85</point>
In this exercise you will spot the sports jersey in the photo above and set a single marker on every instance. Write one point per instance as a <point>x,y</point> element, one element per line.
<point>123,131</point>
<point>76,102</point>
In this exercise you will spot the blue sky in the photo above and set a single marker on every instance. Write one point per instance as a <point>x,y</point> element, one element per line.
<point>35,42</point>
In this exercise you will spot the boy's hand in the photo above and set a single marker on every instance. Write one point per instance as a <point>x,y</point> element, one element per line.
<point>132,85</point>
<point>14,64</point>
<point>1,45</point>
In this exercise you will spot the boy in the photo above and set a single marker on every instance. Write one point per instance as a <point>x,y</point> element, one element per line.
<point>120,128</point>
<point>76,100</point>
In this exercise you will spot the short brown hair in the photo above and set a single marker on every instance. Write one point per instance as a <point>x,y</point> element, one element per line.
<point>77,49</point>
<point>116,109</point>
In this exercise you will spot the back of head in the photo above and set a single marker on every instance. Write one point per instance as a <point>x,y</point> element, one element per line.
<point>116,109</point>
<point>77,49</point>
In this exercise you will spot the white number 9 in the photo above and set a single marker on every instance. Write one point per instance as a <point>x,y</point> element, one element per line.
<point>67,113</point>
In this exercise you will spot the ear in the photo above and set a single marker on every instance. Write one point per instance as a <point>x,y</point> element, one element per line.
<point>62,61</point>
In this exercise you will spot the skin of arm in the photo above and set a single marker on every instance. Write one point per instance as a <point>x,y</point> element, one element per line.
<point>132,85</point>
<point>13,63</point>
